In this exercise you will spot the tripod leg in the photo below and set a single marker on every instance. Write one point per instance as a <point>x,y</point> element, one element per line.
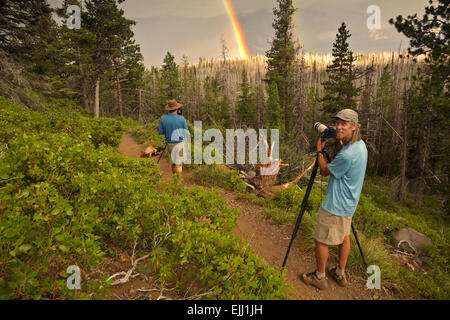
<point>302,210</point>
<point>359,246</point>
<point>165,146</point>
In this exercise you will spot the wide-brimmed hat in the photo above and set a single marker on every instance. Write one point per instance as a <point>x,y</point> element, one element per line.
<point>172,105</point>
<point>347,115</point>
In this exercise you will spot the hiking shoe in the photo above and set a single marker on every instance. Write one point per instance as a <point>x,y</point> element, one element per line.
<point>341,280</point>
<point>311,279</point>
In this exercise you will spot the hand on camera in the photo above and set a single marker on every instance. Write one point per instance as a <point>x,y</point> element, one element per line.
<point>321,144</point>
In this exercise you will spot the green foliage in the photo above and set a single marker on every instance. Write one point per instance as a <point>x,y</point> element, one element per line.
<point>64,200</point>
<point>428,99</point>
<point>61,115</point>
<point>245,105</point>
<point>281,56</point>
<point>219,176</point>
<point>203,248</point>
<point>340,90</point>
<point>169,82</point>
<point>273,112</point>
<point>148,134</point>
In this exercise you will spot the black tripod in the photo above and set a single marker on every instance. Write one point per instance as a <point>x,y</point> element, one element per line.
<point>303,208</point>
<point>165,146</point>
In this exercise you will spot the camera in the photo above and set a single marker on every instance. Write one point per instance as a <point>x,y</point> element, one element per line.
<point>180,111</point>
<point>326,132</point>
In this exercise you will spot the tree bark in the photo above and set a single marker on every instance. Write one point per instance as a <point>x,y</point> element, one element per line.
<point>97,97</point>
<point>83,81</point>
<point>402,189</point>
<point>140,106</point>
<point>119,95</point>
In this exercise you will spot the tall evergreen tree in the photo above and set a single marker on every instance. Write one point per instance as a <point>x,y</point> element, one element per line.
<point>79,55</point>
<point>105,20</point>
<point>23,24</point>
<point>225,115</point>
<point>212,87</point>
<point>340,90</point>
<point>245,106</point>
<point>273,114</point>
<point>281,56</point>
<point>170,84</point>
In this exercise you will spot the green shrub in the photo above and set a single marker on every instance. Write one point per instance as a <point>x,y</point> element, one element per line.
<point>219,176</point>
<point>66,196</point>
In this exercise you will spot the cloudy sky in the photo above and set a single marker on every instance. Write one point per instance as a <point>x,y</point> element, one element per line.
<point>194,28</point>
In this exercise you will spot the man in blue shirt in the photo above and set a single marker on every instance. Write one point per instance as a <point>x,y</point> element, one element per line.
<point>174,126</point>
<point>334,218</point>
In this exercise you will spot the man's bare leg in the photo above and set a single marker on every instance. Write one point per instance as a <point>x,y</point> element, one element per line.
<point>344,251</point>
<point>177,170</point>
<point>321,256</point>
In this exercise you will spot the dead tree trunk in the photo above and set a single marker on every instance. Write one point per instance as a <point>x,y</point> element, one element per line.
<point>97,97</point>
<point>83,80</point>
<point>119,94</point>
<point>402,188</point>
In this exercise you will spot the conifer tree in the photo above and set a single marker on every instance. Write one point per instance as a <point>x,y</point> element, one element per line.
<point>170,84</point>
<point>272,113</point>
<point>245,106</point>
<point>225,115</point>
<point>340,90</point>
<point>281,57</point>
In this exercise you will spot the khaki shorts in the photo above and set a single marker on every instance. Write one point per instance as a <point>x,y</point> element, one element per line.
<point>178,156</point>
<point>331,229</point>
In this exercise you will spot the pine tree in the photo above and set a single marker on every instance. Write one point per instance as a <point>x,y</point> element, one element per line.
<point>245,106</point>
<point>23,24</point>
<point>106,21</point>
<point>170,84</point>
<point>272,113</point>
<point>127,68</point>
<point>225,115</point>
<point>77,49</point>
<point>340,90</point>
<point>312,114</point>
<point>281,57</point>
<point>212,87</point>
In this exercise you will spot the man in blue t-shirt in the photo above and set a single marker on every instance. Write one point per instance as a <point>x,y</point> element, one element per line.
<point>174,127</point>
<point>334,218</point>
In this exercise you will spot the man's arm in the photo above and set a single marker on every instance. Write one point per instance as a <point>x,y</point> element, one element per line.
<point>321,159</point>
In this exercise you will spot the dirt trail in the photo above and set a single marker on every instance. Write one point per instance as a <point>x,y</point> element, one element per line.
<point>269,241</point>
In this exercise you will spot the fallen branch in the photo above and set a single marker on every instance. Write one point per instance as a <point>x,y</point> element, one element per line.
<point>296,180</point>
<point>250,186</point>
<point>158,240</point>
<point>129,274</point>
<point>161,292</point>
<point>199,296</point>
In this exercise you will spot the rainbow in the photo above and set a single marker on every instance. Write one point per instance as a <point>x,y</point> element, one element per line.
<point>243,49</point>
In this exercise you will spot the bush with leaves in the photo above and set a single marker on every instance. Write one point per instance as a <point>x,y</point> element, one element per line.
<point>65,200</point>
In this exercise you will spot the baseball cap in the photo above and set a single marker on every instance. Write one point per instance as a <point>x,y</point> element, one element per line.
<point>347,115</point>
